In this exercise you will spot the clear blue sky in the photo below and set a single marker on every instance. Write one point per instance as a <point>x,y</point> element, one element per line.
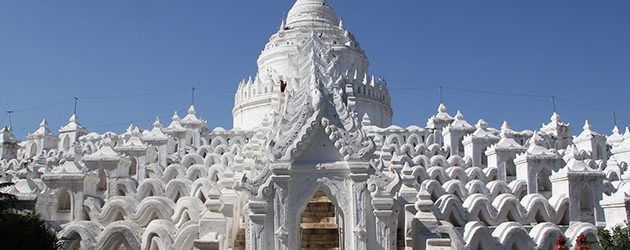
<point>51,51</point>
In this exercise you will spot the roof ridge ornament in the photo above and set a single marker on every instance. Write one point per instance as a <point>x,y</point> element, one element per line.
<point>459,116</point>
<point>587,126</point>
<point>555,117</point>
<point>482,124</point>
<point>341,25</point>
<point>157,123</point>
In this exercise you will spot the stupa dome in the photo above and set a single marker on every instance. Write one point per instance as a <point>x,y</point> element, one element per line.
<point>311,13</point>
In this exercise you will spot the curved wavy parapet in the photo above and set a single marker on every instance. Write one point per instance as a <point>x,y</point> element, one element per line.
<point>178,188</point>
<point>512,235</point>
<point>120,233</point>
<point>545,235</point>
<point>479,236</point>
<point>158,235</point>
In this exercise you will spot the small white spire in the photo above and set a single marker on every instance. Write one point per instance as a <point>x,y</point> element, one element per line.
<point>283,25</point>
<point>442,108</point>
<point>341,26</point>
<point>587,125</point>
<point>626,134</point>
<point>191,110</point>
<point>505,126</point>
<point>130,128</point>
<point>459,116</point>
<point>615,130</point>
<point>505,130</point>
<point>482,124</point>
<point>73,118</point>
<point>43,124</point>
<point>555,117</point>
<point>157,123</point>
<point>536,139</point>
<point>175,116</point>
<point>366,120</point>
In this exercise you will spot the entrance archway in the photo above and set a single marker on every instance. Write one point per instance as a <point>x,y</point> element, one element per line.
<point>319,224</point>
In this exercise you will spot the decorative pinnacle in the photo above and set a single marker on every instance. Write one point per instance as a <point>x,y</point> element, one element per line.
<point>536,139</point>
<point>366,120</point>
<point>505,130</point>
<point>615,130</point>
<point>157,122</point>
<point>442,108</point>
<point>587,125</point>
<point>459,116</point>
<point>44,123</point>
<point>191,110</point>
<point>175,116</point>
<point>505,126</point>
<point>482,124</point>
<point>283,25</point>
<point>341,26</point>
<point>555,117</point>
<point>73,118</point>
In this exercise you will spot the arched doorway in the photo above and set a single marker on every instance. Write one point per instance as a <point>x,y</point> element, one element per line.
<point>587,211</point>
<point>319,224</point>
<point>64,206</point>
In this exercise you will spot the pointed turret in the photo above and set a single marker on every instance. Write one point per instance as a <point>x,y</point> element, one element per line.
<point>175,126</point>
<point>366,120</point>
<point>41,140</point>
<point>42,131</point>
<point>71,132</point>
<point>615,138</point>
<point>476,143</point>
<point>441,119</point>
<point>191,118</point>
<point>500,154</point>
<point>454,134</point>
<point>156,135</point>
<point>283,25</point>
<point>8,144</point>
<point>461,123</point>
<point>558,131</point>
<point>341,25</point>
<point>593,142</point>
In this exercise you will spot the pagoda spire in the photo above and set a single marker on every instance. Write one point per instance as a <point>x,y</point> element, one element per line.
<point>283,24</point>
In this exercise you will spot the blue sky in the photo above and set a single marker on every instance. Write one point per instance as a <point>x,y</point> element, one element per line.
<point>51,51</point>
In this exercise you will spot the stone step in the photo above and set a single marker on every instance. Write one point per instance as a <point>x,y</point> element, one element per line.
<point>239,241</point>
<point>325,220</point>
<point>313,226</point>
<point>319,229</point>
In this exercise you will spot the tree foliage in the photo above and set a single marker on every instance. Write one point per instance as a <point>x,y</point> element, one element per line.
<point>22,230</point>
<point>617,238</point>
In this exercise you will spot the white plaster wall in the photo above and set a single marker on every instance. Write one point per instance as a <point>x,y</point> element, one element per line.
<point>380,115</point>
<point>249,114</point>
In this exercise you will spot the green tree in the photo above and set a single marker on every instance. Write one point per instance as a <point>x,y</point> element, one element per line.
<point>22,230</point>
<point>618,238</point>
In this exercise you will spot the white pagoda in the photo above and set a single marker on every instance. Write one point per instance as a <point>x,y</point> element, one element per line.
<point>314,162</point>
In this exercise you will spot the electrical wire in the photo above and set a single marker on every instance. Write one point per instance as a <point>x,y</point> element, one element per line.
<point>208,90</point>
<point>133,95</point>
<point>43,106</point>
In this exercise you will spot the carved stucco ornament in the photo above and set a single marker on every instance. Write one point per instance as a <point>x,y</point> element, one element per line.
<point>360,232</point>
<point>282,235</point>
